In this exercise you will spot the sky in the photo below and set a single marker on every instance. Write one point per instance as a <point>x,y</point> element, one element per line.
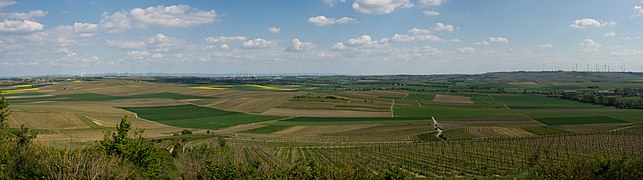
<point>354,37</point>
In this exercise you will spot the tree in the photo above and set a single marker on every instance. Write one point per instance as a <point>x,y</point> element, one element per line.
<point>4,111</point>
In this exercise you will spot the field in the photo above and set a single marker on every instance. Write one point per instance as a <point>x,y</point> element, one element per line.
<point>196,117</point>
<point>437,126</point>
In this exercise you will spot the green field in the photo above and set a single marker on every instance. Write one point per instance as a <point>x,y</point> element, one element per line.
<point>456,134</point>
<point>439,111</point>
<point>350,120</point>
<point>420,97</point>
<point>578,120</point>
<point>620,115</point>
<point>540,102</point>
<point>190,116</point>
<point>484,100</point>
<point>269,129</point>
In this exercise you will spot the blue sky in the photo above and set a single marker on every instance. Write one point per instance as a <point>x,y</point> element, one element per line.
<point>318,36</point>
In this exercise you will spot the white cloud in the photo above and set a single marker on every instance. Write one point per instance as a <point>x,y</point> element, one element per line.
<point>339,46</point>
<point>5,3</point>
<point>419,31</point>
<point>362,40</point>
<point>426,49</point>
<point>610,34</point>
<point>298,45</point>
<point>225,39</point>
<point>20,26</point>
<point>485,43</point>
<point>626,53</point>
<point>425,3</point>
<point>333,2</point>
<point>224,46</point>
<point>431,13</point>
<point>274,29</point>
<point>638,10</point>
<point>589,45</point>
<point>324,21</point>
<point>159,16</point>
<point>78,29</point>
<point>257,43</point>
<point>380,6</point>
<point>545,46</point>
<point>444,27</point>
<point>589,22</point>
<point>415,37</point>
<point>157,43</point>
<point>499,39</point>
<point>466,50</point>
<point>24,16</point>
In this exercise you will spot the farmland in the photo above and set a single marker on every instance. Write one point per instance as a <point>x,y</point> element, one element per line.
<point>484,126</point>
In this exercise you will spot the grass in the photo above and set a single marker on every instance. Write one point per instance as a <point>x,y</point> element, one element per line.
<point>269,129</point>
<point>484,100</point>
<point>420,97</point>
<point>629,115</point>
<point>439,111</point>
<point>578,120</point>
<point>429,136</point>
<point>190,116</point>
<point>544,130</point>
<point>350,120</point>
<point>541,102</point>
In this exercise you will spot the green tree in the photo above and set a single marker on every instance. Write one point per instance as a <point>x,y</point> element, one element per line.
<point>4,111</point>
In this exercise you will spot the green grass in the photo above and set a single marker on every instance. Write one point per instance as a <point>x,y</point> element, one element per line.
<point>629,115</point>
<point>484,100</point>
<point>543,130</point>
<point>439,111</point>
<point>541,102</point>
<point>578,120</point>
<point>190,116</point>
<point>420,97</point>
<point>350,120</point>
<point>269,129</point>
<point>429,136</point>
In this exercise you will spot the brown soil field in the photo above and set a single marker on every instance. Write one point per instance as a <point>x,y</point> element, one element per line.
<point>323,113</point>
<point>46,120</point>
<point>385,132</point>
<point>452,99</point>
<point>494,131</point>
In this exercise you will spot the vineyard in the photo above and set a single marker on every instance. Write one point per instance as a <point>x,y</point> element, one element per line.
<point>482,157</point>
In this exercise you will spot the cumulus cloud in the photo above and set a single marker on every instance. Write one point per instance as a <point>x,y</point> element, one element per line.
<point>157,43</point>
<point>158,16</point>
<point>258,43</point>
<point>426,3</point>
<point>324,21</point>
<point>380,6</point>
<point>419,31</point>
<point>431,13</point>
<point>298,45</point>
<point>610,34</point>
<point>545,46</point>
<point>589,45</point>
<point>466,50</point>
<point>415,37</point>
<point>444,27</point>
<point>24,16</point>
<point>76,30</point>
<point>589,22</point>
<point>638,10</point>
<point>426,49</point>
<point>626,53</point>
<point>225,39</point>
<point>5,3</point>
<point>23,26</point>
<point>499,39</point>
<point>332,3</point>
<point>274,29</point>
<point>339,46</point>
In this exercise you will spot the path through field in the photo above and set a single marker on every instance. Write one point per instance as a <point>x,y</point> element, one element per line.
<point>392,105</point>
<point>435,123</point>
